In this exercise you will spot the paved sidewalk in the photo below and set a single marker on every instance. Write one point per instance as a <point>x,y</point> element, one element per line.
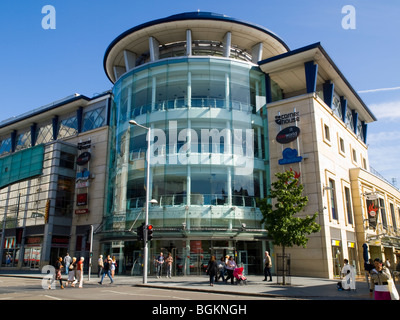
<point>299,288</point>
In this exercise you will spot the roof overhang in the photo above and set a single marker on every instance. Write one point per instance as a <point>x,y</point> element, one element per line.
<point>204,26</point>
<point>288,67</point>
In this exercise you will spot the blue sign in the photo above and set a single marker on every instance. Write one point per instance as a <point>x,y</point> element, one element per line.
<point>289,156</point>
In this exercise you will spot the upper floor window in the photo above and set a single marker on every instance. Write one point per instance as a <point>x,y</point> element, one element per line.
<point>336,107</point>
<point>333,199</point>
<point>354,155</point>
<point>349,120</point>
<point>341,145</point>
<point>5,146</point>
<point>348,205</point>
<point>44,134</point>
<point>360,132</point>
<point>392,212</point>
<point>68,127</point>
<point>94,119</point>
<point>23,141</point>
<point>327,134</point>
<point>383,212</point>
<point>67,160</point>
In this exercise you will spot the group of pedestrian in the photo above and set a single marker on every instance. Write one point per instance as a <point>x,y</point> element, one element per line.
<point>217,270</point>
<point>72,268</point>
<point>159,263</point>
<point>381,284</point>
<point>107,268</point>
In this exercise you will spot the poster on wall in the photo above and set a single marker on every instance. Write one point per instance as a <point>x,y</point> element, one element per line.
<point>81,199</point>
<point>372,210</point>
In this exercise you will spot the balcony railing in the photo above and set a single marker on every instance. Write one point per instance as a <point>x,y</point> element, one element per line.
<point>194,103</point>
<point>196,200</point>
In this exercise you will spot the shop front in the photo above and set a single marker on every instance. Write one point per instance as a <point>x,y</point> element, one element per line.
<point>32,252</point>
<point>190,256</point>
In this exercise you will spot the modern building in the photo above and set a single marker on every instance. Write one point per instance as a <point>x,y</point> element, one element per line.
<point>228,104</point>
<point>52,180</point>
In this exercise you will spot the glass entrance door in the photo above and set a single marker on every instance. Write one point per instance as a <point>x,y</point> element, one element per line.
<point>32,257</point>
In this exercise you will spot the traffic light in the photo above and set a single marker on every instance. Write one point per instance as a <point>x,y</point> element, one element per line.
<point>149,232</point>
<point>139,232</point>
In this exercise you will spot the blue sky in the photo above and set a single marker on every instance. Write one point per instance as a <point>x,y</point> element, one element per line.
<point>39,66</point>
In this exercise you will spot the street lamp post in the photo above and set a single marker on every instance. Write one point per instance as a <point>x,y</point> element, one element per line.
<point>146,221</point>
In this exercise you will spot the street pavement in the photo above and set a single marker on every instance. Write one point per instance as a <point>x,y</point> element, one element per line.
<point>302,288</point>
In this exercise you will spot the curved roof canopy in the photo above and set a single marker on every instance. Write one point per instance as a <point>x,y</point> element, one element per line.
<point>203,26</point>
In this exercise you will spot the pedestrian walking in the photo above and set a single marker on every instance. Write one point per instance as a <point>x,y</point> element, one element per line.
<point>67,262</point>
<point>221,270</point>
<point>100,263</point>
<point>397,273</point>
<point>79,271</point>
<point>58,275</point>
<point>72,273</point>
<point>368,266</point>
<point>382,286</point>
<point>389,266</point>
<point>212,270</point>
<point>230,266</point>
<point>267,266</point>
<point>107,271</point>
<point>168,261</point>
<point>348,281</point>
<point>159,264</point>
<point>113,266</point>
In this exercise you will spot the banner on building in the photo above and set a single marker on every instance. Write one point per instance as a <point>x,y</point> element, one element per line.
<point>372,210</point>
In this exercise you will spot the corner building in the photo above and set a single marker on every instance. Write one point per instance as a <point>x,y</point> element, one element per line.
<point>229,104</point>
<point>194,80</point>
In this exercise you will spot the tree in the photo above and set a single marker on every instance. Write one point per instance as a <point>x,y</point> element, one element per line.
<point>282,226</point>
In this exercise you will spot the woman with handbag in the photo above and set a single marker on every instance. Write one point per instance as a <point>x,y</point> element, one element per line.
<point>212,270</point>
<point>59,267</point>
<point>382,286</point>
<point>71,273</point>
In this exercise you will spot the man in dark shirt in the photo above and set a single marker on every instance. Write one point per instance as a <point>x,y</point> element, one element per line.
<point>368,266</point>
<point>106,270</point>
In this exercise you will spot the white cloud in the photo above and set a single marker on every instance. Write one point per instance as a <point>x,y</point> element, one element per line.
<point>386,110</point>
<point>379,90</point>
<point>377,139</point>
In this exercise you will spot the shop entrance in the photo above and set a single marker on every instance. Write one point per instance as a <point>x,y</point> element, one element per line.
<point>32,257</point>
<point>222,252</point>
<point>337,257</point>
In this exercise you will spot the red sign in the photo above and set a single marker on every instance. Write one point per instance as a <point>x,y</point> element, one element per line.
<point>83,158</point>
<point>81,199</point>
<point>82,211</point>
<point>288,135</point>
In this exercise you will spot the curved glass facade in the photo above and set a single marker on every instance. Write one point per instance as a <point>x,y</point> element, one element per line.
<point>207,144</point>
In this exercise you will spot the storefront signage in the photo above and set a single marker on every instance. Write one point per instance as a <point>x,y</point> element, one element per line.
<point>288,135</point>
<point>83,158</point>
<point>289,156</point>
<point>82,184</point>
<point>351,244</point>
<point>81,199</point>
<point>82,211</point>
<point>9,243</point>
<point>286,118</point>
<point>82,179</point>
<point>372,209</point>
<point>84,145</point>
<point>60,240</point>
<point>34,240</point>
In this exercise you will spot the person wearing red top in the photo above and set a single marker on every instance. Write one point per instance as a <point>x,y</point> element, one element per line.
<point>79,271</point>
